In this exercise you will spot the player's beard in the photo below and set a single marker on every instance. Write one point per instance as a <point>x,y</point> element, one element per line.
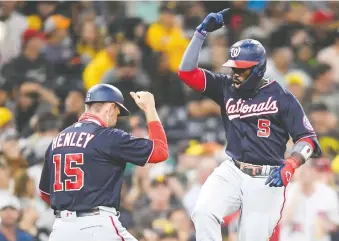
<point>237,82</point>
<point>239,79</point>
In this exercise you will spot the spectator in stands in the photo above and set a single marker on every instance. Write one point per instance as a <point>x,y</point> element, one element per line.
<point>31,64</point>
<point>311,210</point>
<point>15,25</point>
<point>167,89</point>
<point>103,61</point>
<point>46,128</point>
<point>168,234</point>
<point>58,49</point>
<point>304,58</point>
<point>193,16</point>
<point>295,16</point>
<point>323,89</point>
<point>7,128</point>
<point>24,188</point>
<point>127,75</point>
<point>330,56</point>
<point>218,47</point>
<point>74,102</point>
<point>167,35</point>
<point>324,172</point>
<point>9,214</point>
<point>278,64</point>
<point>241,18</point>
<point>205,168</point>
<point>32,99</point>
<point>5,92</point>
<point>159,206</point>
<point>44,9</point>
<point>90,42</point>
<point>188,154</point>
<point>325,125</point>
<point>5,179</point>
<point>296,85</point>
<point>322,22</point>
<point>36,215</point>
<point>73,106</point>
<point>181,222</point>
<point>203,120</point>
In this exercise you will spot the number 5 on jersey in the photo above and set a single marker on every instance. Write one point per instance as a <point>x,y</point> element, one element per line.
<point>70,171</point>
<point>264,128</point>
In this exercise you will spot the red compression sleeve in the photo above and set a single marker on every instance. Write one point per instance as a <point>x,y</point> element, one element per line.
<point>195,79</point>
<point>45,197</point>
<point>158,136</point>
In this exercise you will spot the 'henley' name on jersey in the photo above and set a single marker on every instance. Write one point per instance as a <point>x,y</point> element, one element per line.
<point>238,109</point>
<point>72,139</point>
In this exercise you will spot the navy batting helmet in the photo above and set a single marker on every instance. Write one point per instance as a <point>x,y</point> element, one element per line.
<point>248,53</point>
<point>106,93</point>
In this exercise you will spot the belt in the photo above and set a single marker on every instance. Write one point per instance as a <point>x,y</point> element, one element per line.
<point>85,213</point>
<point>254,170</point>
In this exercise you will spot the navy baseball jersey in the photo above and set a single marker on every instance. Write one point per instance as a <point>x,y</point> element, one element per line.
<point>85,163</point>
<point>258,128</point>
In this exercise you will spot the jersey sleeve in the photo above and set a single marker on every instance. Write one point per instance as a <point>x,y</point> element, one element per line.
<point>213,86</point>
<point>296,122</point>
<point>44,185</point>
<point>295,119</point>
<point>128,148</point>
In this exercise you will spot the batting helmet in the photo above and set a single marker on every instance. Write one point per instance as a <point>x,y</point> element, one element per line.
<point>248,53</point>
<point>106,93</point>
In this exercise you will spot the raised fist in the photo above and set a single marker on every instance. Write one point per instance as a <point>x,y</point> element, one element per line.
<point>143,99</point>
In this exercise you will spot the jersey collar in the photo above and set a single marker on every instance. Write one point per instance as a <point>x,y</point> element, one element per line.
<point>92,118</point>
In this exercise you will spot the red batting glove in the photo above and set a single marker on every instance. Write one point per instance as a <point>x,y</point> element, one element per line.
<point>283,175</point>
<point>287,171</point>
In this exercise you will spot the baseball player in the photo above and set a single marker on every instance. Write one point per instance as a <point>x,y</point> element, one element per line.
<point>84,166</point>
<point>259,116</point>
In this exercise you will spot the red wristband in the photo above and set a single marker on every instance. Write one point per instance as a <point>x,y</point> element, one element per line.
<point>293,162</point>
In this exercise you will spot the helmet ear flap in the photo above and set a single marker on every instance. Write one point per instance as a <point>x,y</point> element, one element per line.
<point>260,69</point>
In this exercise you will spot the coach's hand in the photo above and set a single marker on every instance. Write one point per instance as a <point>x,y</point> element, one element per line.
<point>214,21</point>
<point>144,100</point>
<point>282,175</point>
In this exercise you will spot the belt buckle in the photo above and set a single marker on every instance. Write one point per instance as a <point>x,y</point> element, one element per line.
<point>252,170</point>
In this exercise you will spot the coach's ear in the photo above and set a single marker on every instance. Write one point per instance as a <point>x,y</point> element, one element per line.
<point>112,109</point>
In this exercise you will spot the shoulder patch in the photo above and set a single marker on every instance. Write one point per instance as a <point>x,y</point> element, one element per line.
<point>307,124</point>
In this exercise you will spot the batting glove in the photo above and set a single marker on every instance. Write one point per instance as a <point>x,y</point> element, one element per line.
<point>214,21</point>
<point>282,175</point>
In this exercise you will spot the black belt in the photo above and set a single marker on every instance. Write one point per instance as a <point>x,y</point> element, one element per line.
<point>254,170</point>
<point>85,213</point>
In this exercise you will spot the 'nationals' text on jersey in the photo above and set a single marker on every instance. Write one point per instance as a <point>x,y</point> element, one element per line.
<point>258,128</point>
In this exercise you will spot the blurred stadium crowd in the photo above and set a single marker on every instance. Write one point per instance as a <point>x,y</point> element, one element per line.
<point>52,52</point>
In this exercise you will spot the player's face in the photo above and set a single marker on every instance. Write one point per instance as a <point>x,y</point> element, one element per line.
<point>239,76</point>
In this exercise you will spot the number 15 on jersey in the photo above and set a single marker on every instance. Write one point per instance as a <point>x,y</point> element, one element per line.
<point>70,164</point>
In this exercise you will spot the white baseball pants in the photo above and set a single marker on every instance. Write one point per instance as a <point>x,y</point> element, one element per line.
<point>103,227</point>
<point>227,190</point>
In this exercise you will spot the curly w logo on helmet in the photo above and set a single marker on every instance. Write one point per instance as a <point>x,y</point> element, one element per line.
<point>235,52</point>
